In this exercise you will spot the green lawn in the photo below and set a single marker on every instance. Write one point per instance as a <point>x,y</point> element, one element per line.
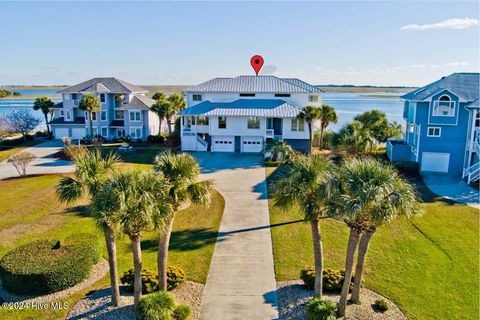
<point>428,266</point>
<point>6,152</point>
<point>29,210</point>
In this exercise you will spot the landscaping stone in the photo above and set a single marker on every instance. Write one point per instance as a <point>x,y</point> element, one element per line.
<point>293,295</point>
<point>97,305</point>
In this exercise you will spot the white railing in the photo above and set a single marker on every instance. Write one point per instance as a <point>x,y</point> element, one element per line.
<point>472,173</point>
<point>269,133</point>
<point>202,142</point>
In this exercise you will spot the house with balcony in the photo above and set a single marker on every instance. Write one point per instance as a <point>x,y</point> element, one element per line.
<point>241,114</point>
<point>125,111</point>
<point>442,127</point>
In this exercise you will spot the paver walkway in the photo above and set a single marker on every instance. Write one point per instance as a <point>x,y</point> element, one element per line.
<point>44,162</point>
<point>453,188</point>
<point>241,280</point>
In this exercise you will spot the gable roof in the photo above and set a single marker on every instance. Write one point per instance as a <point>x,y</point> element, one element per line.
<point>139,103</point>
<point>104,85</point>
<point>246,108</point>
<point>474,105</point>
<point>464,85</point>
<point>254,84</point>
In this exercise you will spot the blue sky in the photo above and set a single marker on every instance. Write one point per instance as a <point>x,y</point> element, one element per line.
<point>378,43</point>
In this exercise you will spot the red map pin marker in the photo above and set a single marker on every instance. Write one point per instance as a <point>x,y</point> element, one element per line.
<point>257,63</point>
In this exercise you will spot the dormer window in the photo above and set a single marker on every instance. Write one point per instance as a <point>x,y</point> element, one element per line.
<point>444,107</point>
<point>197,97</point>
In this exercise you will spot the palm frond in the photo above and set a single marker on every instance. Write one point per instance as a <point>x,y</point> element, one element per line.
<point>69,190</point>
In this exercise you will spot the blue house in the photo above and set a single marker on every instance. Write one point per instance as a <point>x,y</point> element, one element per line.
<point>442,127</point>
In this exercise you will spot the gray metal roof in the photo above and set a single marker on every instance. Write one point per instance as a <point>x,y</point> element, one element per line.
<point>104,85</point>
<point>139,102</point>
<point>245,108</point>
<point>254,84</point>
<point>474,105</point>
<point>465,85</point>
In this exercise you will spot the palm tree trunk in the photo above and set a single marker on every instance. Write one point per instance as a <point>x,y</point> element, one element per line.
<point>163,255</point>
<point>91,123</point>
<point>362,252</point>
<point>112,262</point>
<point>321,137</point>
<point>352,247</point>
<point>137,269</point>
<point>318,254</point>
<point>310,135</point>
<point>46,123</point>
<point>169,125</point>
<point>160,119</point>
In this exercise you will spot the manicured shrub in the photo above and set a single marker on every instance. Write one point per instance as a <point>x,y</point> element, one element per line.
<point>332,279</point>
<point>45,266</point>
<point>175,277</point>
<point>149,280</point>
<point>381,305</point>
<point>182,312</point>
<point>156,306</point>
<point>155,139</point>
<point>318,309</point>
<point>90,241</point>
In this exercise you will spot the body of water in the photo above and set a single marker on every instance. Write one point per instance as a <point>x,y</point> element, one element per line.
<point>346,104</point>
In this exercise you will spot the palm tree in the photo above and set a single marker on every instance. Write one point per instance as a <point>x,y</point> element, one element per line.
<point>181,172</point>
<point>44,104</point>
<point>90,103</point>
<point>161,108</point>
<point>91,171</point>
<point>305,187</point>
<point>138,201</point>
<point>310,114</point>
<point>158,96</point>
<point>327,116</point>
<point>361,193</point>
<point>357,139</point>
<point>176,103</point>
<point>280,150</point>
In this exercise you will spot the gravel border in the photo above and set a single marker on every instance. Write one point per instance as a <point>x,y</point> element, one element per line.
<point>97,305</point>
<point>293,295</point>
<point>98,272</point>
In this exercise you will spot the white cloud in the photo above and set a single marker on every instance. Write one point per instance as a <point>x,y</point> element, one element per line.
<point>456,64</point>
<point>446,24</point>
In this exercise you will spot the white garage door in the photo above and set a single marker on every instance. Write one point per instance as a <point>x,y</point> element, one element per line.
<point>223,144</point>
<point>434,161</point>
<point>61,132</point>
<point>78,133</point>
<point>252,144</point>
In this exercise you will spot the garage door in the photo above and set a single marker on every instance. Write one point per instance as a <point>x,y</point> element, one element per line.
<point>78,133</point>
<point>435,161</point>
<point>61,132</point>
<point>252,144</point>
<point>223,144</point>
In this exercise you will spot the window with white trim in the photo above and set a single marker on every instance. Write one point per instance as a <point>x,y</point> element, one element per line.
<point>222,122</point>
<point>103,115</point>
<point>105,132</point>
<point>253,123</point>
<point>94,116</point>
<point>95,131</point>
<point>119,115</point>
<point>103,97</point>
<point>202,120</point>
<point>434,132</point>
<point>136,132</point>
<point>197,97</point>
<point>313,98</point>
<point>444,107</point>
<point>298,124</point>
<point>68,115</point>
<point>62,113</point>
<point>135,116</point>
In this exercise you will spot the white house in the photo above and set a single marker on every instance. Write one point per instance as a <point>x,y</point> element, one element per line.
<point>241,114</point>
<point>125,111</point>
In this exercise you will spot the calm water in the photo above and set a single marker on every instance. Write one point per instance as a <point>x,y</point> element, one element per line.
<point>347,105</point>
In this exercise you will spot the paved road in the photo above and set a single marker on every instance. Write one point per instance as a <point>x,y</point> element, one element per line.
<point>452,188</point>
<point>43,164</point>
<point>241,280</point>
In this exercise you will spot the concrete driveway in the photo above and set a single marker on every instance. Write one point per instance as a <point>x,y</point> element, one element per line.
<point>452,187</point>
<point>44,163</point>
<point>241,280</point>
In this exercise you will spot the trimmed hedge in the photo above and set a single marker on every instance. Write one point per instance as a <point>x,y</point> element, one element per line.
<point>332,279</point>
<point>88,240</point>
<point>45,266</point>
<point>175,277</point>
